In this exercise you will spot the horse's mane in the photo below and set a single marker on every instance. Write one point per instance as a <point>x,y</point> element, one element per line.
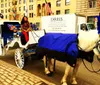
<point>88,39</point>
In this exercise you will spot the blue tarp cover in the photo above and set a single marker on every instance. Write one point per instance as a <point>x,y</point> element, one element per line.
<point>60,42</point>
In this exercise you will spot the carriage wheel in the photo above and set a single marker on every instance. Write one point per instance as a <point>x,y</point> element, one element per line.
<point>19,58</point>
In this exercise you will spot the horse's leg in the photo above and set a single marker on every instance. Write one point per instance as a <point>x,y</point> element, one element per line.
<point>75,69</point>
<point>64,79</point>
<point>47,72</point>
<point>51,65</point>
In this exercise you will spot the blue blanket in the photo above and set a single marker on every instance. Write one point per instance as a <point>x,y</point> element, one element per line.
<point>59,42</point>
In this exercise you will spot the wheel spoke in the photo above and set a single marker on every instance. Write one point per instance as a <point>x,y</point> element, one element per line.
<point>19,58</point>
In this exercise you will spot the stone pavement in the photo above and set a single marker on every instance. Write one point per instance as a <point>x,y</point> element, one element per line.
<point>12,75</point>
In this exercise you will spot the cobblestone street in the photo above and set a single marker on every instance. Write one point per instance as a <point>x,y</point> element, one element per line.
<point>12,75</point>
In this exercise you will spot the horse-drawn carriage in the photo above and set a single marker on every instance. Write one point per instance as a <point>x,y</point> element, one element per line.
<point>84,44</point>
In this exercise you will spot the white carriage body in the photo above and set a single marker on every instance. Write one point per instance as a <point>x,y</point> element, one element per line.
<point>33,37</point>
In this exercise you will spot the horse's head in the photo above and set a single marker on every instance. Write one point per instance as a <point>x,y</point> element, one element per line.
<point>88,40</point>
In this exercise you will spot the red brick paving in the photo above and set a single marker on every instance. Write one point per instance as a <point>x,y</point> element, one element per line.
<point>12,75</point>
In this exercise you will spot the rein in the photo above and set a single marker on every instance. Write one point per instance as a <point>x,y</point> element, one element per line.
<point>36,35</point>
<point>33,36</point>
<point>93,70</point>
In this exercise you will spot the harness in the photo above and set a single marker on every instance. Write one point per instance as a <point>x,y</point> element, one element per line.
<point>98,49</point>
<point>98,46</point>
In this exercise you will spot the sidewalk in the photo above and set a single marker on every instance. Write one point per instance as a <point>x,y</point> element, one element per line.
<point>12,75</point>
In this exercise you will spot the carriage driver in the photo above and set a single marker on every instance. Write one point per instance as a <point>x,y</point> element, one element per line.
<point>25,28</point>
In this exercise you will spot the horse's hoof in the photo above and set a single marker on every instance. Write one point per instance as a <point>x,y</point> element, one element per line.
<point>64,83</point>
<point>49,74</point>
<point>74,83</point>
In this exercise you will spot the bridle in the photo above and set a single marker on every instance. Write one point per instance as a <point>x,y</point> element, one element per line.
<point>98,46</point>
<point>93,70</point>
<point>98,49</point>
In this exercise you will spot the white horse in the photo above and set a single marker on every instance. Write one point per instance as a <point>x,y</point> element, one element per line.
<point>87,42</point>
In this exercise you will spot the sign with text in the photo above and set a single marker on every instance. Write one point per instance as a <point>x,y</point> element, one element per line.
<point>59,23</point>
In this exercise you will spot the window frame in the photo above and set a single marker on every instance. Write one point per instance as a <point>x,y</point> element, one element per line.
<point>67,2</point>
<point>58,3</point>
<point>58,12</point>
<point>67,11</point>
<point>92,3</point>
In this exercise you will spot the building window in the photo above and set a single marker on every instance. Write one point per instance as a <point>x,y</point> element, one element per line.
<point>1,0</point>
<point>39,10</point>
<point>24,8</point>
<point>57,12</point>
<point>5,10</point>
<point>19,8</point>
<point>67,2</point>
<point>2,5</point>
<point>6,16</point>
<point>2,11</point>
<point>30,7</point>
<point>30,0</point>
<point>31,15</point>
<point>19,1</point>
<point>9,3</point>
<point>67,11</point>
<point>58,2</point>
<point>43,9</point>
<point>9,10</point>
<point>5,4</point>
<point>92,3</point>
<point>90,19</point>
<point>24,1</point>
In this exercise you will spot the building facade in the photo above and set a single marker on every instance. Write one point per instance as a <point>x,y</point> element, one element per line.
<point>35,9</point>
